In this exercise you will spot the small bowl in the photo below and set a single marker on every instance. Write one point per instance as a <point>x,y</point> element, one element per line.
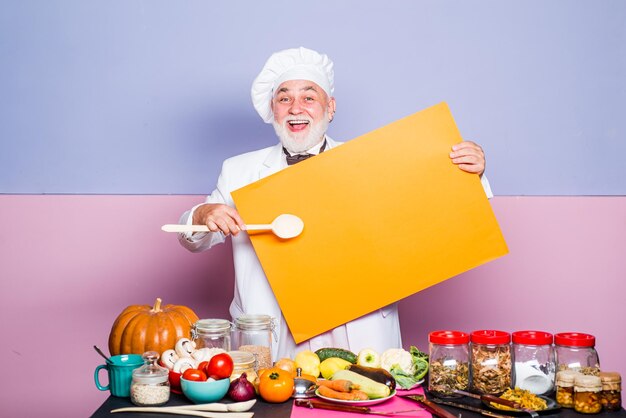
<point>175,382</point>
<point>205,392</point>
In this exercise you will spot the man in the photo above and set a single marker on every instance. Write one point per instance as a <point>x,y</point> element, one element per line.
<point>294,93</point>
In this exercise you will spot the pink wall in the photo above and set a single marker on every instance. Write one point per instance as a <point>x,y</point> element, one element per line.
<point>70,264</point>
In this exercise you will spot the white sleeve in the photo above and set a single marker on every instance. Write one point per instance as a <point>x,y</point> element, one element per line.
<point>486,186</point>
<point>200,241</point>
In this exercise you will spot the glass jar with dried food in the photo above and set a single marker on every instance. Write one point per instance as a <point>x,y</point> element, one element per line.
<point>253,334</point>
<point>611,396</point>
<point>491,361</point>
<point>587,390</point>
<point>565,387</point>
<point>448,362</point>
<point>576,351</point>
<point>243,361</point>
<point>533,361</point>
<point>150,384</point>
<point>212,333</point>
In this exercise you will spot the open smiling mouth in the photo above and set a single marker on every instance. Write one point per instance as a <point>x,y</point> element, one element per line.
<point>298,125</point>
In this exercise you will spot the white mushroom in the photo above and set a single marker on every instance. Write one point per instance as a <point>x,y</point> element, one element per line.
<point>184,363</point>
<point>184,347</point>
<point>205,354</point>
<point>202,354</point>
<point>168,358</point>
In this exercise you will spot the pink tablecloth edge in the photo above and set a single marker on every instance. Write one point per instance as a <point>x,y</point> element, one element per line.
<point>397,403</point>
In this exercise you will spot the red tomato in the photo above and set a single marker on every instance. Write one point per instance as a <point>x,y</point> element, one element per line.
<point>220,366</point>
<point>194,374</point>
<point>203,366</point>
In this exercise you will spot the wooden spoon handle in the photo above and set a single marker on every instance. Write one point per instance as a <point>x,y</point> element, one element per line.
<point>258,227</point>
<point>204,228</point>
<point>182,411</point>
<point>184,228</point>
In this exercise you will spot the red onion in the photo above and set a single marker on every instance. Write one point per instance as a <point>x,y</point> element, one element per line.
<point>241,389</point>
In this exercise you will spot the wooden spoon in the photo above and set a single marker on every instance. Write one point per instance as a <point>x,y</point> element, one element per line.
<point>284,226</point>
<point>201,409</point>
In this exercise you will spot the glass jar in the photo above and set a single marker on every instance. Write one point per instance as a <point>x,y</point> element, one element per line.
<point>611,396</point>
<point>576,351</point>
<point>533,361</point>
<point>448,362</point>
<point>150,384</point>
<point>565,387</point>
<point>491,361</point>
<point>253,334</point>
<point>243,362</point>
<point>211,333</point>
<point>587,390</point>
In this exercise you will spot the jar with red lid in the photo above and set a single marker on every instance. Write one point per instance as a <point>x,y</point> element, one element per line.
<point>449,368</point>
<point>534,367</point>
<point>576,351</point>
<point>491,361</point>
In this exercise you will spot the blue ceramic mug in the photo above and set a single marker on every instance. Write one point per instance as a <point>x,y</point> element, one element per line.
<point>120,370</point>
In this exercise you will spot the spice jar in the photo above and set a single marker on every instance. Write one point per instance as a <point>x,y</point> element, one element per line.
<point>587,394</point>
<point>533,361</point>
<point>576,351</point>
<point>211,333</point>
<point>491,361</point>
<point>243,361</point>
<point>448,362</point>
<point>565,387</point>
<point>253,334</point>
<point>611,395</point>
<point>150,384</point>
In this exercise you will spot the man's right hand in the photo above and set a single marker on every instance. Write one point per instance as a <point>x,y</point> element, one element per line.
<point>219,217</point>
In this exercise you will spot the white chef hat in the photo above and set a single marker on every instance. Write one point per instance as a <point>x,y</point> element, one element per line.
<point>290,64</point>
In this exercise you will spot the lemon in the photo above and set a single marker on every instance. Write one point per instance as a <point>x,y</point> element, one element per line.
<point>329,366</point>
<point>309,362</point>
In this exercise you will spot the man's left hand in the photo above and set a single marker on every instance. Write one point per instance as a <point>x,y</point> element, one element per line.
<point>469,156</point>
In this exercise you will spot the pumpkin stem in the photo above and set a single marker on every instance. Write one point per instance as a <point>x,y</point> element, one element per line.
<point>157,305</point>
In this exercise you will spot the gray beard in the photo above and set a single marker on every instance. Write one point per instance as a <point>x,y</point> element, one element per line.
<point>297,143</point>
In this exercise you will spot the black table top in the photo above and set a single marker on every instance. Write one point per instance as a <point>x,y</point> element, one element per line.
<point>261,408</point>
<point>264,409</point>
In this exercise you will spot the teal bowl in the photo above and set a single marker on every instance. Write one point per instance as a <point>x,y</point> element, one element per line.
<point>205,392</point>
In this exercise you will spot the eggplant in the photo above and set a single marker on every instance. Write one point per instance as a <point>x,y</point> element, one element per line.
<point>377,374</point>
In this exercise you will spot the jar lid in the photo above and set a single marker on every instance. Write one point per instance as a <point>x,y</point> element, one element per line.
<point>254,322</point>
<point>566,377</point>
<point>610,377</point>
<point>575,339</point>
<point>587,382</point>
<point>150,372</point>
<point>448,337</point>
<point>241,357</point>
<point>532,338</point>
<point>490,336</point>
<point>212,325</point>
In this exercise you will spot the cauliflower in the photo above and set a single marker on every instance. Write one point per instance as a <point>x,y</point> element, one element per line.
<point>399,358</point>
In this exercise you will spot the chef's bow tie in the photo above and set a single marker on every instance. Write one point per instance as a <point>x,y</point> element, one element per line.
<point>293,159</point>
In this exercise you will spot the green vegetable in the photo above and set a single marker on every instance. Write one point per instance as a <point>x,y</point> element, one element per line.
<point>324,353</point>
<point>377,374</point>
<point>407,380</point>
<point>373,388</point>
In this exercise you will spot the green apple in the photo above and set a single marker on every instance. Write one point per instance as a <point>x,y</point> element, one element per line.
<point>368,357</point>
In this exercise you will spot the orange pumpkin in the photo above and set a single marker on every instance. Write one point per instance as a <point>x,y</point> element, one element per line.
<point>141,328</point>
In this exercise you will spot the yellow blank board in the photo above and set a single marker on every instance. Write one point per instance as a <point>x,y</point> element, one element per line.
<point>386,215</point>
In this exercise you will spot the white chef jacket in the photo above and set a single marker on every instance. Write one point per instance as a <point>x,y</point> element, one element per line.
<point>379,330</point>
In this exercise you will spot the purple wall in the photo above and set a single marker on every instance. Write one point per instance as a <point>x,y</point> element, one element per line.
<point>129,108</point>
<point>71,264</point>
<point>132,97</point>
